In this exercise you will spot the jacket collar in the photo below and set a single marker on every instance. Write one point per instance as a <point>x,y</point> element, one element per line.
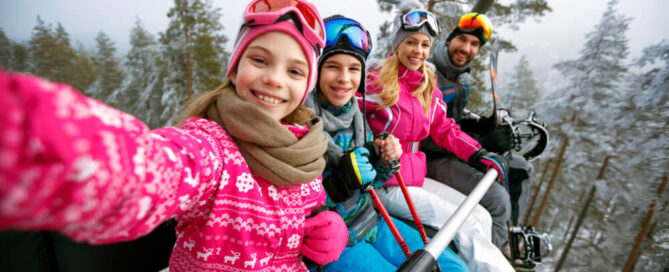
<point>411,78</point>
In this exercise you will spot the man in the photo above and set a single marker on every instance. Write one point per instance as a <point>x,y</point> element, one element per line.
<point>452,59</point>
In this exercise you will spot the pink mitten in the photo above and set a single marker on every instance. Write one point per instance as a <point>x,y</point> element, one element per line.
<point>325,237</point>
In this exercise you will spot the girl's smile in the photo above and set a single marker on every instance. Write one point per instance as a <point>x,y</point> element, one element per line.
<point>272,73</point>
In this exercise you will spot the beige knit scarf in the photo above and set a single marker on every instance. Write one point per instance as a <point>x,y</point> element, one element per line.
<point>270,150</point>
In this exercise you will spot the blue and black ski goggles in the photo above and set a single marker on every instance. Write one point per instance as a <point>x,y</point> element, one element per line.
<point>356,34</point>
<point>413,20</point>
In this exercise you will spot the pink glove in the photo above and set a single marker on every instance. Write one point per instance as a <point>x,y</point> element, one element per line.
<point>325,237</point>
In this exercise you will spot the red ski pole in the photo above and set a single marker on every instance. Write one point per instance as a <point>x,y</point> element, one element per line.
<point>395,164</point>
<point>412,208</point>
<point>389,221</point>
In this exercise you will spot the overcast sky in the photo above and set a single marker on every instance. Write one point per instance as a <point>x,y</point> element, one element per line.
<point>559,35</point>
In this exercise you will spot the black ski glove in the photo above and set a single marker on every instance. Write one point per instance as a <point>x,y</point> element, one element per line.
<point>498,140</point>
<point>481,125</point>
<point>486,124</point>
<point>483,160</point>
<point>353,173</point>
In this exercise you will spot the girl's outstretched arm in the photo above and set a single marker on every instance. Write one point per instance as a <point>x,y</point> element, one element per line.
<point>72,164</point>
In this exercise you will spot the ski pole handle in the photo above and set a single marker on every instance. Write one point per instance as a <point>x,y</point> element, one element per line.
<point>394,164</point>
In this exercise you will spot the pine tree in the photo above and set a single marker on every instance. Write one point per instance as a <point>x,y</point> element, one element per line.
<point>51,55</point>
<point>141,90</point>
<point>585,111</point>
<point>5,50</point>
<point>645,117</point>
<point>595,77</point>
<point>108,71</point>
<point>522,92</point>
<point>65,58</point>
<point>13,56</point>
<point>381,47</point>
<point>20,58</point>
<point>193,50</point>
<point>84,69</point>
<point>42,43</point>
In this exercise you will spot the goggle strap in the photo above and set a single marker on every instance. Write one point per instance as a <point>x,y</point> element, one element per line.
<point>293,17</point>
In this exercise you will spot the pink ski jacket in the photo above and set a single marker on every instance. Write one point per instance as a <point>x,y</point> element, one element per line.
<point>407,121</point>
<point>72,164</point>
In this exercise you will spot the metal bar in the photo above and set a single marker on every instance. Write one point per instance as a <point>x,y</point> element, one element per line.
<point>440,240</point>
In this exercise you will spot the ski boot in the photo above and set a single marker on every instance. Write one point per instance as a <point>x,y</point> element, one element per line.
<point>527,247</point>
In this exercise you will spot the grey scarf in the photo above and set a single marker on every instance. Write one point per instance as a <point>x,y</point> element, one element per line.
<point>444,65</point>
<point>449,74</point>
<point>332,124</point>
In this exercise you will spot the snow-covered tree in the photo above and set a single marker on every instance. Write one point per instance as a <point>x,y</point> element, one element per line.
<point>595,111</point>
<point>141,91</point>
<point>521,92</point>
<point>192,47</point>
<point>109,73</point>
<point>654,83</point>
<point>646,118</point>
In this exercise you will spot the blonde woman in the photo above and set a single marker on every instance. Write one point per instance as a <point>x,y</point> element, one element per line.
<point>403,100</point>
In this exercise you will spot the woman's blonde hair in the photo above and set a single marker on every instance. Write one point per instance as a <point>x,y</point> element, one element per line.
<point>389,79</point>
<point>198,107</point>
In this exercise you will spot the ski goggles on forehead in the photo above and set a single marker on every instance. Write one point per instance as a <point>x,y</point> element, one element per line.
<point>417,18</point>
<point>261,12</point>
<point>472,21</point>
<point>357,35</point>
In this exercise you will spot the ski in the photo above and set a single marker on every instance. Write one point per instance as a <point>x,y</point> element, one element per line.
<point>493,82</point>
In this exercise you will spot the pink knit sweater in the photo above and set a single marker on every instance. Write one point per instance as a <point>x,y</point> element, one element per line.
<point>72,164</point>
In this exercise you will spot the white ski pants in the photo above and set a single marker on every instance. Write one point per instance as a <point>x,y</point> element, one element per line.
<point>435,203</point>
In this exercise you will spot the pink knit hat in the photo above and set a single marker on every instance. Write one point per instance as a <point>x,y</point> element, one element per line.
<point>249,32</point>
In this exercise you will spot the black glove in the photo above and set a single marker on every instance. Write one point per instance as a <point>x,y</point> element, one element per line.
<point>483,160</point>
<point>482,125</point>
<point>353,173</point>
<point>498,140</point>
<point>486,124</point>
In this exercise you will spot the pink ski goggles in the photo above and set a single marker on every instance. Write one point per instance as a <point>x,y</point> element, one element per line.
<point>263,12</point>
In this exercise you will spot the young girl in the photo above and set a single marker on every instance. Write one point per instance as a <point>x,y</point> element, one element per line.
<point>241,175</point>
<point>402,101</point>
<point>371,245</point>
